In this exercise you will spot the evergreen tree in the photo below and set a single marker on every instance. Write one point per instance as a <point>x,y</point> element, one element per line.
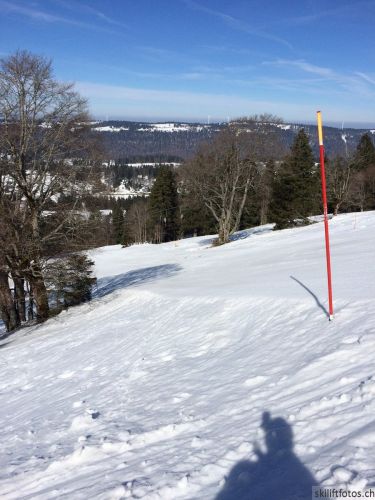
<point>365,153</point>
<point>296,186</point>
<point>70,280</point>
<point>196,219</point>
<point>163,206</point>
<point>98,229</point>
<point>118,223</point>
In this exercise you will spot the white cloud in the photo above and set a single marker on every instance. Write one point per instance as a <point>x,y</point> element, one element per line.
<point>303,66</point>
<point>80,7</point>
<point>122,102</point>
<point>367,78</point>
<point>238,24</point>
<point>355,83</point>
<point>45,17</point>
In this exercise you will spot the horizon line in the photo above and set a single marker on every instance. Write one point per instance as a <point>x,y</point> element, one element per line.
<point>217,121</point>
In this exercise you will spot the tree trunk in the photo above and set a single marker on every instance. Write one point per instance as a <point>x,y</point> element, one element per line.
<point>19,296</point>
<point>39,293</point>
<point>241,207</point>
<point>224,232</point>
<point>263,217</point>
<point>36,276</point>
<point>264,207</point>
<point>7,306</point>
<point>30,305</point>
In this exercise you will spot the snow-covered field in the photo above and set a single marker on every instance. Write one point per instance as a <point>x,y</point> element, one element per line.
<point>195,364</point>
<point>110,128</point>
<point>171,127</point>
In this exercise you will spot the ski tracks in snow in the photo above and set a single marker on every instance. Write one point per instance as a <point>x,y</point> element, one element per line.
<point>157,390</point>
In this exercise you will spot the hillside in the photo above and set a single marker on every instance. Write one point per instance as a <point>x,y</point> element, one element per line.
<point>131,139</point>
<point>159,388</point>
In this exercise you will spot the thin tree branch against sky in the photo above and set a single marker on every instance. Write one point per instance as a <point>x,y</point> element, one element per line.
<point>187,59</point>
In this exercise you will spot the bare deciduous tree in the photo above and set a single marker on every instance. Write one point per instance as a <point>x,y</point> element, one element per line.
<point>42,128</point>
<point>137,223</point>
<point>339,180</point>
<point>224,172</point>
<point>358,193</point>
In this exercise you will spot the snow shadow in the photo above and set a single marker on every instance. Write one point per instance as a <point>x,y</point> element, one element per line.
<point>110,284</point>
<point>241,235</point>
<point>253,231</point>
<point>318,303</point>
<point>277,474</point>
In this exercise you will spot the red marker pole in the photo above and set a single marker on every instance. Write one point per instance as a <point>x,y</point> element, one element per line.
<point>326,230</point>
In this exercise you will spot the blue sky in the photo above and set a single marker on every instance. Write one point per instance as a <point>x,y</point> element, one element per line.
<point>205,59</point>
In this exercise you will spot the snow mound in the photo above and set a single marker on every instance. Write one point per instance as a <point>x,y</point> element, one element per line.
<point>201,373</point>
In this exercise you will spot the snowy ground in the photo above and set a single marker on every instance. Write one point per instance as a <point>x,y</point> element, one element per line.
<point>158,388</point>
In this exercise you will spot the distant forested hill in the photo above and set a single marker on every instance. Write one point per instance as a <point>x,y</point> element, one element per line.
<point>181,140</point>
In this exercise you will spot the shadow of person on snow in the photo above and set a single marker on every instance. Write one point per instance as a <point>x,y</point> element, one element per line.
<point>278,474</point>
<point>110,284</point>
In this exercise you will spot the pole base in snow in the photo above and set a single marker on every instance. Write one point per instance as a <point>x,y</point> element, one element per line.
<point>330,317</point>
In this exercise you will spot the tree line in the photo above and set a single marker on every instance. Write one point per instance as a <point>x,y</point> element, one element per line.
<point>46,153</point>
<point>243,179</point>
<point>51,208</point>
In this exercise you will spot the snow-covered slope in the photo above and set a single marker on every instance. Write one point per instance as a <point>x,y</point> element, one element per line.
<point>160,387</point>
